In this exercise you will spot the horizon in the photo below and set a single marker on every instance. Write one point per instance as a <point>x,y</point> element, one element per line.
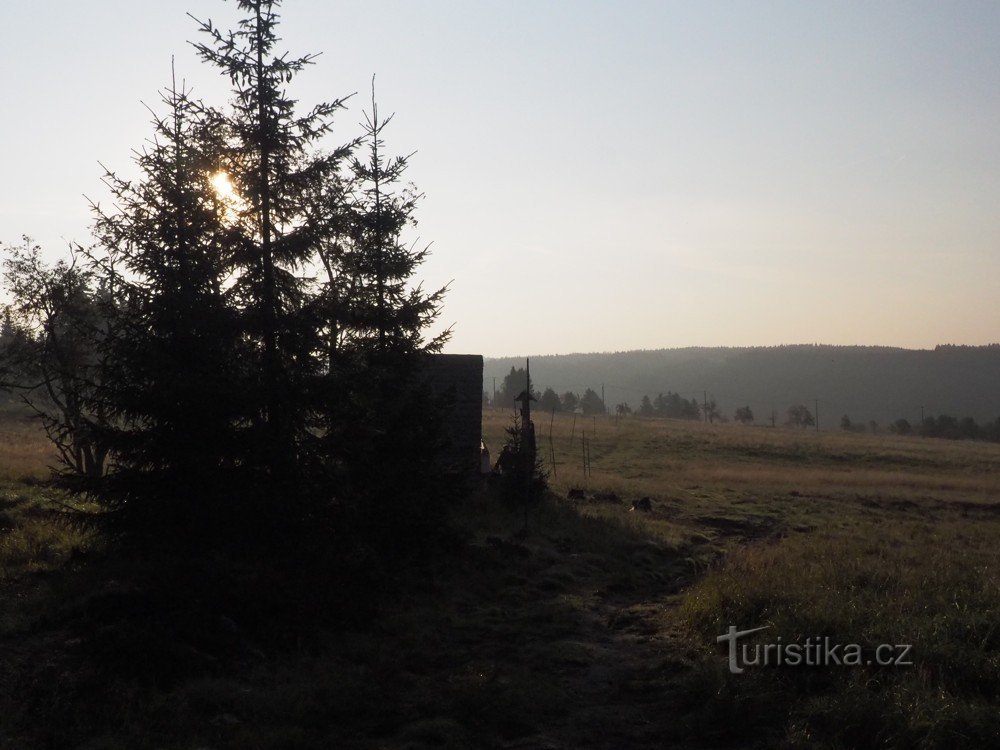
<point>866,382</point>
<point>600,177</point>
<point>988,345</point>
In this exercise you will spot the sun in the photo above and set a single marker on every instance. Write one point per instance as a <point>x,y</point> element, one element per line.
<point>223,186</point>
<point>230,203</point>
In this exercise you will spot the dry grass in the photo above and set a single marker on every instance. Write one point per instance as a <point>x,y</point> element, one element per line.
<point>33,538</point>
<point>25,453</point>
<point>932,584</point>
<point>659,456</point>
<point>865,539</point>
<point>595,629</point>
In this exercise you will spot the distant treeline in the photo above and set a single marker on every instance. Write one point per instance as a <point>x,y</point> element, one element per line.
<point>949,428</point>
<point>881,384</point>
<point>675,406</point>
<point>670,405</point>
<point>514,384</point>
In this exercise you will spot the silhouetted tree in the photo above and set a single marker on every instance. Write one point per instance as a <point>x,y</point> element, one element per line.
<point>389,411</point>
<point>570,401</point>
<point>901,427</point>
<point>948,427</point>
<point>51,334</point>
<point>273,159</point>
<point>968,428</point>
<point>382,265</point>
<point>513,383</point>
<point>591,403</point>
<point>744,415</point>
<point>246,396</point>
<point>175,383</point>
<point>711,410</point>
<point>673,406</point>
<point>8,330</point>
<point>800,416</point>
<point>646,407</point>
<point>991,430</point>
<point>522,478</point>
<point>549,401</point>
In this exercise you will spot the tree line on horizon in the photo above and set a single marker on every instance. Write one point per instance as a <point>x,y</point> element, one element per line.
<point>868,383</point>
<point>515,383</point>
<point>942,426</point>
<point>671,405</point>
<point>674,406</point>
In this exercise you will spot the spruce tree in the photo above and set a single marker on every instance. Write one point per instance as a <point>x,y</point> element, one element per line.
<point>173,388</point>
<point>273,158</point>
<point>389,314</point>
<point>386,430</point>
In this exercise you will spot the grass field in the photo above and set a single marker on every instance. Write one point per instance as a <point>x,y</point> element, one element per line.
<point>595,629</point>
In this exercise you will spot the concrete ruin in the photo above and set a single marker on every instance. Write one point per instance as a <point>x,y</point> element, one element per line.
<point>459,378</point>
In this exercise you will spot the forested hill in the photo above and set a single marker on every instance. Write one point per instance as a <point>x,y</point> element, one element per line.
<point>865,383</point>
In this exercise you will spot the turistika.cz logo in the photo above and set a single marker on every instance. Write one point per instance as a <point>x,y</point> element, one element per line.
<point>813,652</point>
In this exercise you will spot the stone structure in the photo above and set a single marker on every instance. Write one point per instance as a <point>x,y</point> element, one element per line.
<point>459,378</point>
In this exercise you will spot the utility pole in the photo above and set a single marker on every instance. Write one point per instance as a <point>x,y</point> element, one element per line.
<point>494,392</point>
<point>774,417</point>
<point>817,415</point>
<point>704,404</point>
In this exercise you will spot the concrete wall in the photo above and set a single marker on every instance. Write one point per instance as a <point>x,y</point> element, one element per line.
<point>460,378</point>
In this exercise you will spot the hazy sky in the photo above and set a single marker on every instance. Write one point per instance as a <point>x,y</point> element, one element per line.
<point>599,175</point>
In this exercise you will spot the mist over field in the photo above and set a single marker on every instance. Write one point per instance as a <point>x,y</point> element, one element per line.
<point>864,382</point>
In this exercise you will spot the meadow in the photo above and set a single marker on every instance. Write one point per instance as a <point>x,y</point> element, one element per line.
<point>597,628</point>
<point>861,538</point>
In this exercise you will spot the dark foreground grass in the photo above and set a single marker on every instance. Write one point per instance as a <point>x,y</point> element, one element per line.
<point>549,638</point>
<point>596,629</point>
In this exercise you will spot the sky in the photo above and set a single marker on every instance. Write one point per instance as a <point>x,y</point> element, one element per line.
<point>598,175</point>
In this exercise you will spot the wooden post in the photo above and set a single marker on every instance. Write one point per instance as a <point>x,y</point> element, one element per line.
<point>552,450</point>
